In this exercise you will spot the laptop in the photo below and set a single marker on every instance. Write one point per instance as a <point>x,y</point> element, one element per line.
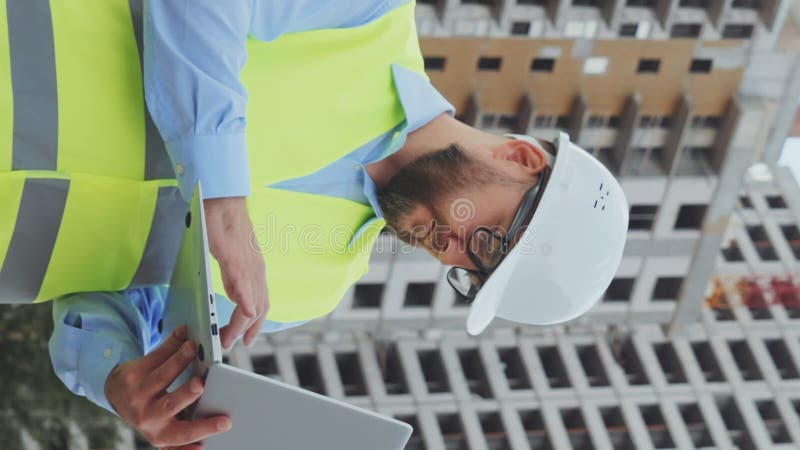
<point>266,413</point>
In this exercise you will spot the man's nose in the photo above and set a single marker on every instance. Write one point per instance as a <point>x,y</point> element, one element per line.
<point>455,254</point>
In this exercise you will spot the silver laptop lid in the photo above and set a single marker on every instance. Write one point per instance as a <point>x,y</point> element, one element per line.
<point>268,414</point>
<point>190,300</point>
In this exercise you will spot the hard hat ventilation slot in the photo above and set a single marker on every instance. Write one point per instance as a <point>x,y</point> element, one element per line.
<point>603,197</point>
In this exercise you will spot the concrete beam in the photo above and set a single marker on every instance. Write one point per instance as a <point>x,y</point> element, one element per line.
<point>498,7</point>
<point>611,11</point>
<point>769,12</point>
<point>717,10</point>
<point>555,9</point>
<point>673,147</point>
<point>659,247</point>
<point>748,137</point>
<point>628,127</point>
<point>664,10</point>
<point>440,6</point>
<point>472,113</point>
<point>578,117</point>
<point>525,114</point>
<point>723,139</point>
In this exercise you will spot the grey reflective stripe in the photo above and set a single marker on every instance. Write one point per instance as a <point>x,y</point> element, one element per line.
<point>33,83</point>
<point>157,165</point>
<point>35,232</point>
<point>164,239</point>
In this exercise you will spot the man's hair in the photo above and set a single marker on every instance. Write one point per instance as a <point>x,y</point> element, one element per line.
<point>428,178</point>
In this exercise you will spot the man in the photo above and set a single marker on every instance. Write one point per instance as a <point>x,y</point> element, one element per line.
<point>344,130</point>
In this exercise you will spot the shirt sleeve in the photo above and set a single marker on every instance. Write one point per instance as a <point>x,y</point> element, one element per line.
<point>95,332</point>
<point>194,53</point>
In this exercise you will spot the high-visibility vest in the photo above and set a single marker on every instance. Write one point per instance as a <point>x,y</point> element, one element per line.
<point>88,200</point>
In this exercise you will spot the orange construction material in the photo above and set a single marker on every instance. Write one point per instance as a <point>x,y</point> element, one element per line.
<point>752,294</point>
<point>717,299</point>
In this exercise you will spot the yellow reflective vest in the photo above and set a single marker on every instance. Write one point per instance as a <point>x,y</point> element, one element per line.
<point>88,200</point>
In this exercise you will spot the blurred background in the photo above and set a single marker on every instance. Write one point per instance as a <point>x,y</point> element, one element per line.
<point>696,343</point>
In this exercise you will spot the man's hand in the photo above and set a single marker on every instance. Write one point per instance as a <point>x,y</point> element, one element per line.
<point>138,392</point>
<point>242,266</point>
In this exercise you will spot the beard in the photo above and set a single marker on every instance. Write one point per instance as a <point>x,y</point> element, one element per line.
<point>426,181</point>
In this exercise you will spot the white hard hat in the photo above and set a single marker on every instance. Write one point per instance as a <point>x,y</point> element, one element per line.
<point>568,254</point>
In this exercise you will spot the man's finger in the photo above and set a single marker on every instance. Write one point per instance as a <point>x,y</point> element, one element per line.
<point>254,330</point>
<point>262,294</point>
<point>164,351</point>
<point>239,292</point>
<point>159,379</point>
<point>235,327</point>
<point>182,432</point>
<point>171,404</point>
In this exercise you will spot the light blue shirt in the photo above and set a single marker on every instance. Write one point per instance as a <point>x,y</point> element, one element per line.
<point>194,53</point>
<point>94,332</point>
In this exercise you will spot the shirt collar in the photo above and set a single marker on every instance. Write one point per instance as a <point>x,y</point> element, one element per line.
<point>421,101</point>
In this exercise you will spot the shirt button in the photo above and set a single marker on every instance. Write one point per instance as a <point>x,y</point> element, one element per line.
<point>179,169</point>
<point>107,353</point>
<point>356,167</point>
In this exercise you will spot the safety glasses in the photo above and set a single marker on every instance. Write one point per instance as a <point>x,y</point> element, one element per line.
<point>487,248</point>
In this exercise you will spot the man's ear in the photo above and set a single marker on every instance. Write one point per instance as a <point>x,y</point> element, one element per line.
<point>524,154</point>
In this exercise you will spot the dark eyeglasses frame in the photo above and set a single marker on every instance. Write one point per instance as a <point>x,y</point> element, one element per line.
<point>530,201</point>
